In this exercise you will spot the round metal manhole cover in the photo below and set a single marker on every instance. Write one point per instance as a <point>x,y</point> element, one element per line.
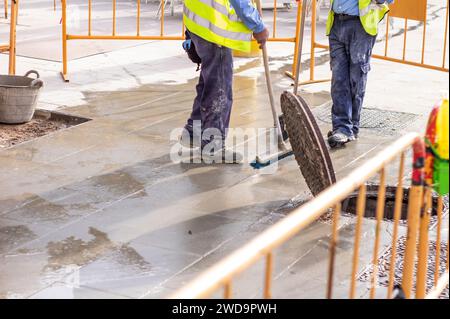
<point>308,145</point>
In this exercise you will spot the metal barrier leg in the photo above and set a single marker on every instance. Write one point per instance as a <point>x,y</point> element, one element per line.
<point>90,17</point>
<point>12,37</point>
<point>414,206</point>
<point>380,214</point>
<point>414,209</point>
<point>268,276</point>
<point>333,244</point>
<point>162,7</point>
<point>274,26</point>
<point>228,292</point>
<point>440,207</point>
<point>397,215</point>
<point>64,40</point>
<point>297,40</point>
<point>361,206</point>
<point>138,18</point>
<point>422,263</point>
<point>114,4</point>
<point>313,41</point>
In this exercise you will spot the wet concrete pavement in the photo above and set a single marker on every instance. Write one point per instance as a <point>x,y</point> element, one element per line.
<point>99,210</point>
<point>102,202</point>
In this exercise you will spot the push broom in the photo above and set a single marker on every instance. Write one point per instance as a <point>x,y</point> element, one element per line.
<point>283,150</point>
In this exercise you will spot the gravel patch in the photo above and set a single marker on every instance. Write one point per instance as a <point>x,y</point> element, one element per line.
<point>11,134</point>
<point>384,266</point>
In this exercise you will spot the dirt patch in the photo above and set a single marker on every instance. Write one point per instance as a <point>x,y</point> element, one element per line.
<point>14,134</point>
<point>43,123</point>
<point>11,236</point>
<point>73,251</point>
<point>76,251</point>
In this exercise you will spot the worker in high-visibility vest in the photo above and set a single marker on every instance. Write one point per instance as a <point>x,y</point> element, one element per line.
<point>214,29</point>
<point>352,28</point>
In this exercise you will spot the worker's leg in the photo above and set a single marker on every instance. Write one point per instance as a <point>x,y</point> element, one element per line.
<point>216,99</point>
<point>360,52</point>
<point>340,80</point>
<point>196,114</point>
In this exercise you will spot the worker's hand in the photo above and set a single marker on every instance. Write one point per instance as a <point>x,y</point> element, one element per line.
<point>261,37</point>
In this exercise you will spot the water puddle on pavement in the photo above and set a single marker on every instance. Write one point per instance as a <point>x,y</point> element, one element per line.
<point>10,236</point>
<point>72,251</point>
<point>70,254</point>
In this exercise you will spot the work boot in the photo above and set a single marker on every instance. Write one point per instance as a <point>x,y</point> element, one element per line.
<point>224,156</point>
<point>339,139</point>
<point>353,137</point>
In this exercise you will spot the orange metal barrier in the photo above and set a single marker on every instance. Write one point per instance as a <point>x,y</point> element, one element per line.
<point>222,274</point>
<point>11,46</point>
<point>403,9</point>
<point>138,35</point>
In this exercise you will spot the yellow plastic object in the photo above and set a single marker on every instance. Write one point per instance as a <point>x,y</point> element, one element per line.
<point>254,52</point>
<point>441,149</point>
<point>442,131</point>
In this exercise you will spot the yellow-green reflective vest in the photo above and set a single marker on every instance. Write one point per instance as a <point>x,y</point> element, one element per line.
<point>370,14</point>
<point>216,21</point>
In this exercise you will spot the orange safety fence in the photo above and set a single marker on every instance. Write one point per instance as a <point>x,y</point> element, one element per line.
<point>406,10</point>
<point>161,34</point>
<point>416,253</point>
<point>11,46</point>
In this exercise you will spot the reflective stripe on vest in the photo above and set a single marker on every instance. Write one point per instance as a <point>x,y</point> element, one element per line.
<point>370,15</point>
<point>207,24</point>
<point>222,9</point>
<point>217,22</point>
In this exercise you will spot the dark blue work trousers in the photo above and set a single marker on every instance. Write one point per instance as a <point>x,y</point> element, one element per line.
<point>350,51</point>
<point>212,105</point>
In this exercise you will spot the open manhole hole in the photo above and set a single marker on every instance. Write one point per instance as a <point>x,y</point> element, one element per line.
<point>43,123</point>
<point>349,205</point>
